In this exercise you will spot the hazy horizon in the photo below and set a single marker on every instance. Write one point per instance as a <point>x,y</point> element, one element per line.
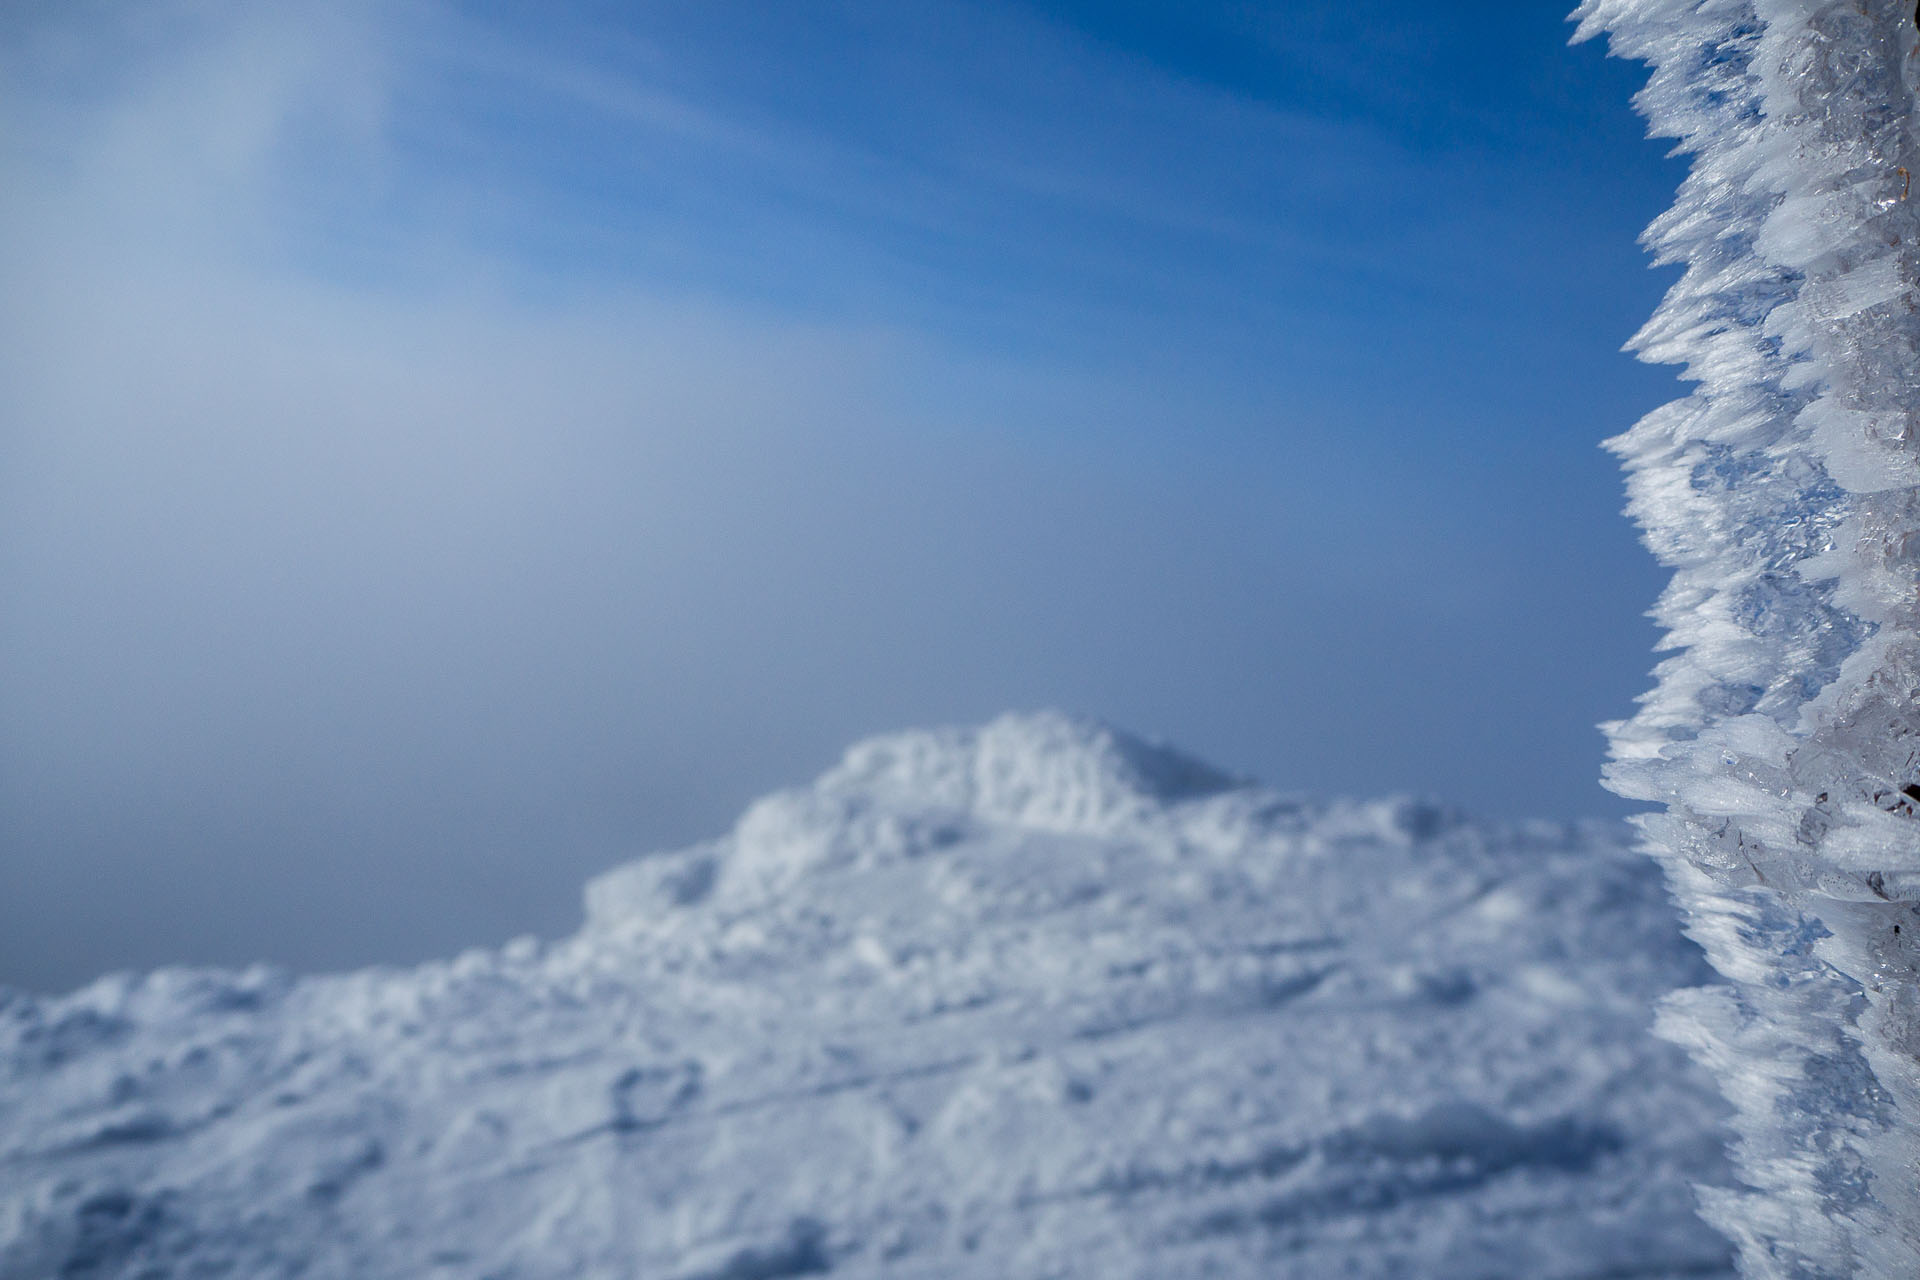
<point>448,449</point>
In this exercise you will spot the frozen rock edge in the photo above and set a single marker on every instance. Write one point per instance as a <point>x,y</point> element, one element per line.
<point>1036,999</point>
<point>1783,736</point>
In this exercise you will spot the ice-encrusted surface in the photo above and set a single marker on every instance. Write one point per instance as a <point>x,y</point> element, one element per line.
<point>1783,736</point>
<point>1031,1000</point>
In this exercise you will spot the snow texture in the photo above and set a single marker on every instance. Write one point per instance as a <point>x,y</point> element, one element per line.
<point>1031,1000</point>
<point>1783,736</point>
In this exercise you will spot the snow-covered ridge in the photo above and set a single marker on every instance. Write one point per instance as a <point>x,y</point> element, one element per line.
<point>1036,999</point>
<point>1047,770</point>
<point>1783,736</point>
<point>900,795</point>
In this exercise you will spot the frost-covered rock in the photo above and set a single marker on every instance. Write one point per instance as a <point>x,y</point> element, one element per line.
<point>1032,1000</point>
<point>1783,736</point>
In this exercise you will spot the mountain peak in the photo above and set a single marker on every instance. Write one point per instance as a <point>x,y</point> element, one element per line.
<point>1044,769</point>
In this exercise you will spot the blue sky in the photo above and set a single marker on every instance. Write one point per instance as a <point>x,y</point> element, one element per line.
<point>448,448</point>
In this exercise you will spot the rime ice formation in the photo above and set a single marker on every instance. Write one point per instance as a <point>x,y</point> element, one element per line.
<point>1034,1000</point>
<point>1783,736</point>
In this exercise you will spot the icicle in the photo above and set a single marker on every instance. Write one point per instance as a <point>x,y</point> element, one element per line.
<point>1783,735</point>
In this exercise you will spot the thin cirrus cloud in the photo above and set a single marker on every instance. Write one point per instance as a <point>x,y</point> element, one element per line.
<point>446,449</point>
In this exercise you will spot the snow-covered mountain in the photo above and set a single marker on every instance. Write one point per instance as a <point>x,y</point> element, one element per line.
<point>1036,999</point>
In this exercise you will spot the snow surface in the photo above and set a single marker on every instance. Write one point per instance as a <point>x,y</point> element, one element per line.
<point>1031,1000</point>
<point>1783,736</point>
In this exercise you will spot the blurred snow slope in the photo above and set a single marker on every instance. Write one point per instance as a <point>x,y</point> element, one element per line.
<point>1031,1000</point>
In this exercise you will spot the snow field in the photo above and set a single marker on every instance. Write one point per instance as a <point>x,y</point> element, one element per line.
<point>1031,1000</point>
